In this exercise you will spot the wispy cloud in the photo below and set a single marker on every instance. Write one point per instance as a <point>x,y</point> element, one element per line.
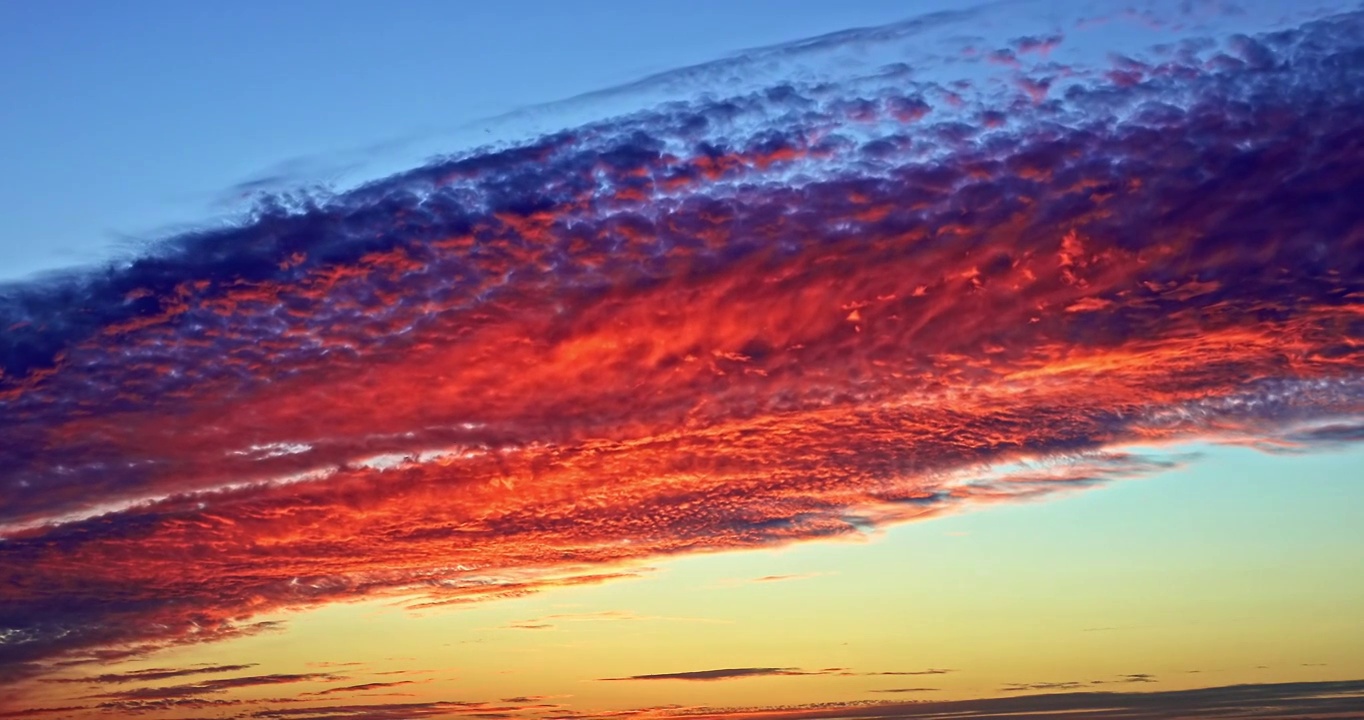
<point>151,674</point>
<point>208,687</point>
<point>529,626</point>
<point>930,671</point>
<point>720,674</point>
<point>1078,684</point>
<point>736,582</point>
<point>748,672</point>
<point>364,687</point>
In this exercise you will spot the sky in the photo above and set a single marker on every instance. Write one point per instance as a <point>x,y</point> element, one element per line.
<point>718,360</point>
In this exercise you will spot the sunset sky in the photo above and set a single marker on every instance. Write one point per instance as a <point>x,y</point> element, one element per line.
<point>707,360</point>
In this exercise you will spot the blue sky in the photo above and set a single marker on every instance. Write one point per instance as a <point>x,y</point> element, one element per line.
<point>155,111</point>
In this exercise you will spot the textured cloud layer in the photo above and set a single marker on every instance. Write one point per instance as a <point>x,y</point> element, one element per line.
<point>726,321</point>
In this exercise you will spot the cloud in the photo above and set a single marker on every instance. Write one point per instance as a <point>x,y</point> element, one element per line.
<point>784,578</point>
<point>1021,687</point>
<point>721,674</point>
<point>387,711</point>
<point>152,674</point>
<point>207,687</point>
<point>1236,702</point>
<point>30,712</point>
<point>1076,684</point>
<point>1138,678</point>
<point>737,673</point>
<point>364,687</point>
<point>530,626</point>
<point>525,699</point>
<point>734,582</point>
<point>930,671</point>
<point>781,311</point>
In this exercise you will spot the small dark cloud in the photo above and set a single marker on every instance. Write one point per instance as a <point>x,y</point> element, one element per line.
<point>929,671</point>
<point>363,687</point>
<point>732,582</point>
<point>389,711</point>
<point>216,686</point>
<point>1331,434</point>
<point>1023,687</point>
<point>735,673</point>
<point>1041,44</point>
<point>779,578</point>
<point>151,674</point>
<point>1078,684</point>
<point>720,674</point>
<point>33,712</point>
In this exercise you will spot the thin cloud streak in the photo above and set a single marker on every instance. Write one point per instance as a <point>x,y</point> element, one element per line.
<point>750,672</point>
<point>719,674</point>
